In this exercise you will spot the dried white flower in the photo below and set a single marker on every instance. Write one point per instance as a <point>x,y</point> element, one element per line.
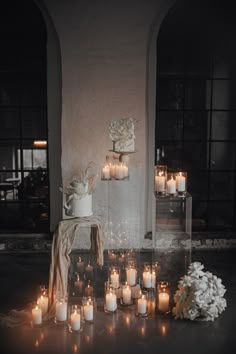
<point>200,295</point>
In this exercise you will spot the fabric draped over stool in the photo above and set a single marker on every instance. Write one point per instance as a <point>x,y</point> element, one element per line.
<point>62,245</point>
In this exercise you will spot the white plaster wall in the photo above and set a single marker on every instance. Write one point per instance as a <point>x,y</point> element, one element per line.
<point>104,53</point>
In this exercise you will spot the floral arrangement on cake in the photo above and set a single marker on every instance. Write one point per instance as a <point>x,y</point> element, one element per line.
<point>200,295</point>
<point>121,132</point>
<point>83,184</point>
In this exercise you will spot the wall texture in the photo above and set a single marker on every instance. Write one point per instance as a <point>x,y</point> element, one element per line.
<point>106,74</point>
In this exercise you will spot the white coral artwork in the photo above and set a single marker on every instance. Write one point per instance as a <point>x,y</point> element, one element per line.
<point>200,295</point>
<point>122,133</point>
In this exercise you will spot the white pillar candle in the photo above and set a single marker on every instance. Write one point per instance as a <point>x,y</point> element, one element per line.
<point>131,276</point>
<point>115,283</point>
<point>171,186</point>
<point>160,183</point>
<point>119,174</point>
<point>126,171</point>
<point>180,182</point>
<point>142,305</point>
<point>43,303</point>
<point>61,310</point>
<point>36,315</point>
<point>106,172</point>
<point>147,280</point>
<point>112,170</point>
<point>88,311</point>
<point>111,302</point>
<point>126,295</point>
<point>153,279</point>
<point>75,321</point>
<point>163,302</point>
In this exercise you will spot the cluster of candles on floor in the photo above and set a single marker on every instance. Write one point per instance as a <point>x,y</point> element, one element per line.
<point>172,183</point>
<point>148,297</point>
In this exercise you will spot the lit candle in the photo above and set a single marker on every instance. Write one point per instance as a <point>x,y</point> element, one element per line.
<point>112,170</point>
<point>61,310</point>
<point>88,290</point>
<point>126,171</point>
<point>37,315</point>
<point>75,321</point>
<point>43,303</point>
<point>88,311</point>
<point>180,182</point>
<point>119,173</point>
<point>171,186</point>
<point>153,279</point>
<point>160,182</point>
<point>79,284</point>
<point>147,280</point>
<point>111,302</point>
<point>142,305</point>
<point>106,172</point>
<point>115,283</point>
<point>126,295</point>
<point>131,276</point>
<point>163,302</point>
<point>80,265</point>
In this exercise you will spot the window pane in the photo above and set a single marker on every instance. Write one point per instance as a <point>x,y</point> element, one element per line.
<point>170,94</point>
<point>224,96</point>
<point>9,123</point>
<point>172,155</point>
<point>169,125</point>
<point>199,215</point>
<point>39,158</point>
<point>223,156</point>
<point>8,93</point>
<point>197,94</point>
<point>8,155</point>
<point>195,156</point>
<point>34,124</point>
<point>197,184</point>
<point>223,125</point>
<point>220,215</point>
<point>196,125</point>
<point>222,186</point>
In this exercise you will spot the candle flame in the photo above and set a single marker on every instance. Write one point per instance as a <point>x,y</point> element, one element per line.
<point>163,330</point>
<point>36,344</point>
<point>160,173</point>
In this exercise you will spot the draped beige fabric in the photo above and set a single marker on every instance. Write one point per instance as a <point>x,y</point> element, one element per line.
<point>62,245</point>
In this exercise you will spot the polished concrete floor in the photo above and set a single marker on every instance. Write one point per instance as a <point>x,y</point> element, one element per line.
<point>123,332</point>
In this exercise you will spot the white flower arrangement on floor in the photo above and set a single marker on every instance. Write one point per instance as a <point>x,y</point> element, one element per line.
<point>200,295</point>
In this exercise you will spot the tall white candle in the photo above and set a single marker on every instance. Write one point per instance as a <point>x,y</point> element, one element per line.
<point>43,303</point>
<point>160,183</point>
<point>112,170</point>
<point>111,302</point>
<point>119,172</point>
<point>75,321</point>
<point>61,310</point>
<point>180,182</point>
<point>147,280</point>
<point>106,172</point>
<point>37,315</point>
<point>115,283</point>
<point>163,302</point>
<point>126,295</point>
<point>88,311</point>
<point>142,305</point>
<point>131,274</point>
<point>171,186</point>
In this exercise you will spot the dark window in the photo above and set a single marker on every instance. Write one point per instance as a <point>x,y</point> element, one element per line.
<point>24,185</point>
<point>196,106</point>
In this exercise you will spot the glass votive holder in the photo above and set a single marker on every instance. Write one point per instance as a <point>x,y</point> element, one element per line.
<point>42,301</point>
<point>89,272</point>
<point>79,285</point>
<point>36,315</point>
<point>142,304</point>
<point>171,184</point>
<point>163,297</point>
<point>89,290</point>
<point>126,295</point>
<point>80,265</point>
<point>181,182</point>
<point>131,272</point>
<point>114,277</point>
<point>106,172</point>
<point>160,175</point>
<point>74,319</point>
<point>61,311</point>
<point>148,276</point>
<point>110,301</point>
<point>88,304</point>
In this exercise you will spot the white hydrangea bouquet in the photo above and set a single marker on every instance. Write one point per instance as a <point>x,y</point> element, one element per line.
<point>200,295</point>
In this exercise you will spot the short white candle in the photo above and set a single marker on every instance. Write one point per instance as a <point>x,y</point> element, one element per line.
<point>75,321</point>
<point>163,302</point>
<point>115,283</point>
<point>37,315</point>
<point>142,305</point>
<point>126,295</point>
<point>106,172</point>
<point>160,183</point>
<point>112,170</point>
<point>131,276</point>
<point>147,280</point>
<point>61,310</point>
<point>88,311</point>
<point>43,303</point>
<point>111,302</point>
<point>119,173</point>
<point>126,171</point>
<point>171,186</point>
<point>180,182</point>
